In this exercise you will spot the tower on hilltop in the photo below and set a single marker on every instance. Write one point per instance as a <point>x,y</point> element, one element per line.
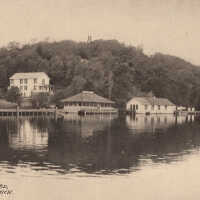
<point>89,39</point>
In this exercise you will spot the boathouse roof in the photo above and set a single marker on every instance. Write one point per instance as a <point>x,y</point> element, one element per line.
<point>28,75</point>
<point>87,96</point>
<point>153,101</point>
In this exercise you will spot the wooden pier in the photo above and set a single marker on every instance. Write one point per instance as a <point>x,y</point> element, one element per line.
<point>187,112</point>
<point>28,112</point>
<point>97,111</point>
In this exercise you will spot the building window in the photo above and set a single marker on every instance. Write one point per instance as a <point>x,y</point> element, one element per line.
<point>152,107</point>
<point>40,87</point>
<point>21,87</point>
<point>35,87</point>
<point>158,107</point>
<point>21,81</point>
<point>146,107</point>
<point>35,80</point>
<point>43,81</point>
<point>11,81</point>
<point>25,81</point>
<point>165,107</point>
<point>136,107</point>
<point>25,87</point>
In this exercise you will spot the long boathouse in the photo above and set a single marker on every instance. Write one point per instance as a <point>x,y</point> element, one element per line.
<point>88,102</point>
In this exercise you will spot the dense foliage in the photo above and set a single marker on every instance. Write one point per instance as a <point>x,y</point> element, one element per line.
<point>109,68</point>
<point>13,95</point>
<point>40,100</point>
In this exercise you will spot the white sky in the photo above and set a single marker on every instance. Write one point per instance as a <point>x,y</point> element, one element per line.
<point>166,26</point>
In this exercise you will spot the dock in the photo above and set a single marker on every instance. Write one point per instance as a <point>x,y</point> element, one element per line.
<point>187,112</point>
<point>28,112</point>
<point>97,111</point>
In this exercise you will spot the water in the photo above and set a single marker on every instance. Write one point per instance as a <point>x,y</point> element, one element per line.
<point>100,157</point>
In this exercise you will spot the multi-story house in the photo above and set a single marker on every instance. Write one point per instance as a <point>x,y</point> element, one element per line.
<point>30,83</point>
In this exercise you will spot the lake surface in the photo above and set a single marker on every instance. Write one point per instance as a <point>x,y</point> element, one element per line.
<point>100,157</point>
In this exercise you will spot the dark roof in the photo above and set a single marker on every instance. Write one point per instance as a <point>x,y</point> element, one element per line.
<point>87,96</point>
<point>154,101</point>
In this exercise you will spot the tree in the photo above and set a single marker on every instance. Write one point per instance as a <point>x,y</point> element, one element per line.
<point>108,67</point>
<point>40,100</point>
<point>13,95</point>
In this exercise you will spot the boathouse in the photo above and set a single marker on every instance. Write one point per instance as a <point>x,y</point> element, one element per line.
<point>89,102</point>
<point>150,105</point>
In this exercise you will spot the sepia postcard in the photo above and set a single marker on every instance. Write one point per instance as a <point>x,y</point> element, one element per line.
<point>99,100</point>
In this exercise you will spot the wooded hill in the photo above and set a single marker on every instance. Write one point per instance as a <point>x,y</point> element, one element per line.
<point>107,67</point>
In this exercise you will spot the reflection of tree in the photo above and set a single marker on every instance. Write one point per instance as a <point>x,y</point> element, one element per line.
<point>104,150</point>
<point>31,134</point>
<point>41,124</point>
<point>4,126</point>
<point>116,149</point>
<point>8,126</point>
<point>23,140</point>
<point>112,147</point>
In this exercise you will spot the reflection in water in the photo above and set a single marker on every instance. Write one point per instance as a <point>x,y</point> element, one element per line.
<point>29,134</point>
<point>96,144</point>
<point>151,123</point>
<point>87,125</point>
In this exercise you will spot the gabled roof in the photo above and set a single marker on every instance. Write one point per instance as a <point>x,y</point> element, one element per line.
<point>153,101</point>
<point>87,96</point>
<point>28,75</point>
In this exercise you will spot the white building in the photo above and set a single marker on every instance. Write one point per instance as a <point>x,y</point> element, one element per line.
<point>30,83</point>
<point>150,105</point>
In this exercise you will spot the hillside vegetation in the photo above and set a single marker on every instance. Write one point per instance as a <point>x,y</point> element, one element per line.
<point>108,67</point>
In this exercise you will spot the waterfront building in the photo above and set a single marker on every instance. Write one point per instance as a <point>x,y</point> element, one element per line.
<point>30,83</point>
<point>150,105</point>
<point>88,101</point>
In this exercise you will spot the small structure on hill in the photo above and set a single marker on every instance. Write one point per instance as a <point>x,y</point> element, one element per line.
<point>150,105</point>
<point>88,102</point>
<point>30,83</point>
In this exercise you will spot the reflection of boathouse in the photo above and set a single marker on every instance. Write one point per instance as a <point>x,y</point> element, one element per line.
<point>88,101</point>
<point>88,125</point>
<point>149,123</point>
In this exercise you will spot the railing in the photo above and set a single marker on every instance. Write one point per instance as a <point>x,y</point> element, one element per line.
<point>28,112</point>
<point>98,111</point>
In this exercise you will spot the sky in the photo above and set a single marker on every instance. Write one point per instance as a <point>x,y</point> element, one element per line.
<point>166,26</point>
